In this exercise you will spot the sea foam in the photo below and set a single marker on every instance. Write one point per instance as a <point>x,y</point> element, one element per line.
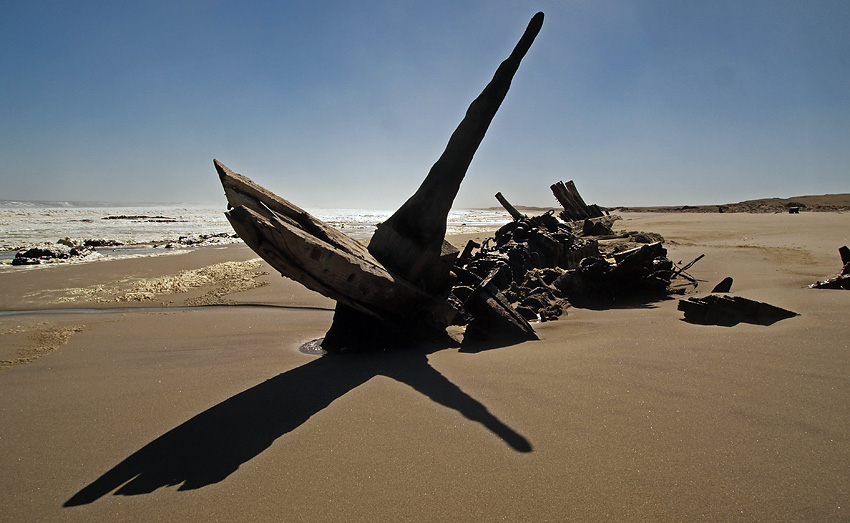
<point>140,227</point>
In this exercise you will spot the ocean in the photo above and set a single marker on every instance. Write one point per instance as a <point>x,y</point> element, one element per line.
<point>146,229</point>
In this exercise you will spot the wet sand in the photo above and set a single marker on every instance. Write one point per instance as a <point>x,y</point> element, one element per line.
<point>623,414</point>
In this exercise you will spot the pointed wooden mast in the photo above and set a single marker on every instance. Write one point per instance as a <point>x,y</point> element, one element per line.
<point>410,241</point>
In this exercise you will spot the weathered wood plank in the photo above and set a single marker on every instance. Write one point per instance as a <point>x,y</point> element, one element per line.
<point>240,190</point>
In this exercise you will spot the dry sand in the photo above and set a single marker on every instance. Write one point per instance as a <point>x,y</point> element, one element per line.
<point>624,414</point>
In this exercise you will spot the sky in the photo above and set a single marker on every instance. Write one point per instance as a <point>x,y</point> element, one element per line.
<point>347,104</point>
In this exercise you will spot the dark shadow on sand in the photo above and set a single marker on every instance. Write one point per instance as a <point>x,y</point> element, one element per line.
<point>628,302</point>
<point>212,445</point>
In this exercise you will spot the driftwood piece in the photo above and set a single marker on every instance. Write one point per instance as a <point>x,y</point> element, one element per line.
<point>731,310</point>
<point>240,190</point>
<point>409,241</point>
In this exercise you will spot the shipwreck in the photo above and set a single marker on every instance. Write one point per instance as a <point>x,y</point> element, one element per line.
<point>401,283</point>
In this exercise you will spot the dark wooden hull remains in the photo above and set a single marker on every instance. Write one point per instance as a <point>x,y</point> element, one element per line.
<point>322,258</point>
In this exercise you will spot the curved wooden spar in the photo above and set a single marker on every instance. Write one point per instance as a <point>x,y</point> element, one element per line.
<point>410,241</point>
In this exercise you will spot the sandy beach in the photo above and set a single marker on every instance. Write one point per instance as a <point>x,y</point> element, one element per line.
<point>188,398</point>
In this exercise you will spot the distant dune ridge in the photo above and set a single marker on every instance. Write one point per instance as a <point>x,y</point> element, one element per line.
<point>817,203</point>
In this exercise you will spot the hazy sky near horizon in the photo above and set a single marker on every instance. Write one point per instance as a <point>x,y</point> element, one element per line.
<point>348,104</point>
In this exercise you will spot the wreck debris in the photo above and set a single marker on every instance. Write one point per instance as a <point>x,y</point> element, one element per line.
<point>587,220</point>
<point>522,245</point>
<point>841,281</point>
<point>729,311</point>
<point>541,266</point>
<point>574,207</point>
<point>598,226</point>
<point>537,298</point>
<point>401,283</point>
<point>493,315</point>
<point>513,261</point>
<point>410,283</point>
<point>644,271</point>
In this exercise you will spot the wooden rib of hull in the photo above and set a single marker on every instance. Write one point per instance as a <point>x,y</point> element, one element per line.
<point>322,258</point>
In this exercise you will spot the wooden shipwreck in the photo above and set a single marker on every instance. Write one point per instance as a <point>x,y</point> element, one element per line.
<point>400,284</point>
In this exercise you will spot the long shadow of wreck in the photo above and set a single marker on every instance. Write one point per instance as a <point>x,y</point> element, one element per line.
<point>212,445</point>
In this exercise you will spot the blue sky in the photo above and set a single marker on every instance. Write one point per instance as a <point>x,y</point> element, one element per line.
<point>348,104</point>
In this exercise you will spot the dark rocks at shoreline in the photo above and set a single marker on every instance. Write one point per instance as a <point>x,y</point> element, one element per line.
<point>205,239</point>
<point>102,243</point>
<point>49,253</point>
<point>142,217</point>
<point>67,249</point>
<point>200,240</point>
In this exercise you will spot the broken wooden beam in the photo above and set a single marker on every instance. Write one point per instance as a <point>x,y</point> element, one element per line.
<point>494,316</point>
<point>515,214</point>
<point>572,210</point>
